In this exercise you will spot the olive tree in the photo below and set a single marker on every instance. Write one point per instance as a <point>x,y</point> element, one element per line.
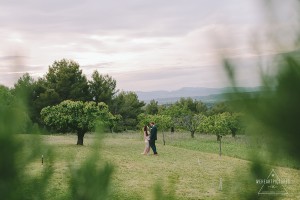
<point>76,116</point>
<point>163,122</point>
<point>190,122</point>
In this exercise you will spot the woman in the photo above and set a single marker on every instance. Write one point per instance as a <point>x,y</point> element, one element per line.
<point>146,139</point>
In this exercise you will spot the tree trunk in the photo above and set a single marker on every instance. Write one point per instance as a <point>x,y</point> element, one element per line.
<point>192,134</point>
<point>80,136</point>
<point>233,132</point>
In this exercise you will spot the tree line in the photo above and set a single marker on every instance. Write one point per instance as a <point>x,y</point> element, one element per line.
<point>64,100</point>
<point>194,116</point>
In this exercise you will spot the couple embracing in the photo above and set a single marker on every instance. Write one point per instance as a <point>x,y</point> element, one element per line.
<point>150,139</point>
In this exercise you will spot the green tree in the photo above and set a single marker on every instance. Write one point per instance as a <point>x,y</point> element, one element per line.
<point>152,107</point>
<point>222,124</point>
<point>184,113</point>
<point>176,111</point>
<point>67,80</point>
<point>24,86</point>
<point>129,107</point>
<point>163,122</point>
<point>191,122</point>
<point>218,108</point>
<point>102,88</point>
<point>236,124</point>
<point>43,97</point>
<point>76,116</point>
<point>201,108</point>
<point>63,81</point>
<point>23,90</point>
<point>206,125</point>
<point>193,106</point>
<point>6,98</point>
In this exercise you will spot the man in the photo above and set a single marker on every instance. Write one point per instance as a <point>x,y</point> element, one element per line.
<point>153,137</point>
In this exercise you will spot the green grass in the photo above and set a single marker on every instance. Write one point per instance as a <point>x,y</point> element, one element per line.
<point>188,169</point>
<point>238,147</point>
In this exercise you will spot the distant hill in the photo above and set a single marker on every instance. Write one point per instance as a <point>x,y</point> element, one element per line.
<point>208,95</point>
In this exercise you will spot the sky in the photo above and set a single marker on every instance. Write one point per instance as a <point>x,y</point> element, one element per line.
<point>145,45</point>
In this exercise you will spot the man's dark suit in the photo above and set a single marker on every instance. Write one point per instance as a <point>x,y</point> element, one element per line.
<point>153,137</point>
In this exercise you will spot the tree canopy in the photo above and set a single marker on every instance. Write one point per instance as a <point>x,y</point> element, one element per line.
<point>67,80</point>
<point>102,88</point>
<point>127,105</point>
<point>76,116</point>
<point>152,107</point>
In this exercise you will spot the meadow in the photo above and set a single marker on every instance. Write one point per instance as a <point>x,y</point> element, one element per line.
<point>184,169</point>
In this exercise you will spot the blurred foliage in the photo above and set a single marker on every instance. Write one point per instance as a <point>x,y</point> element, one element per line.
<point>169,193</point>
<point>17,155</point>
<point>272,116</point>
<point>89,182</point>
<point>92,179</point>
<point>273,113</point>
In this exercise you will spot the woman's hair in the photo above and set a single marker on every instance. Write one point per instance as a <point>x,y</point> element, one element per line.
<point>146,129</point>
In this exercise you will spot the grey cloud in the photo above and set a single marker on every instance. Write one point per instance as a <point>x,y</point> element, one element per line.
<point>12,58</point>
<point>20,69</point>
<point>99,65</point>
<point>9,74</point>
<point>168,79</point>
<point>171,78</point>
<point>63,28</point>
<point>154,74</point>
<point>147,17</point>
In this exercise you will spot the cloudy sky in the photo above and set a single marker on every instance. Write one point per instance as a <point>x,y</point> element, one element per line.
<point>143,44</point>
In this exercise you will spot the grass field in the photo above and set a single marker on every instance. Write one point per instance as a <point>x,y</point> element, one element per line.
<point>184,168</point>
<point>238,147</point>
